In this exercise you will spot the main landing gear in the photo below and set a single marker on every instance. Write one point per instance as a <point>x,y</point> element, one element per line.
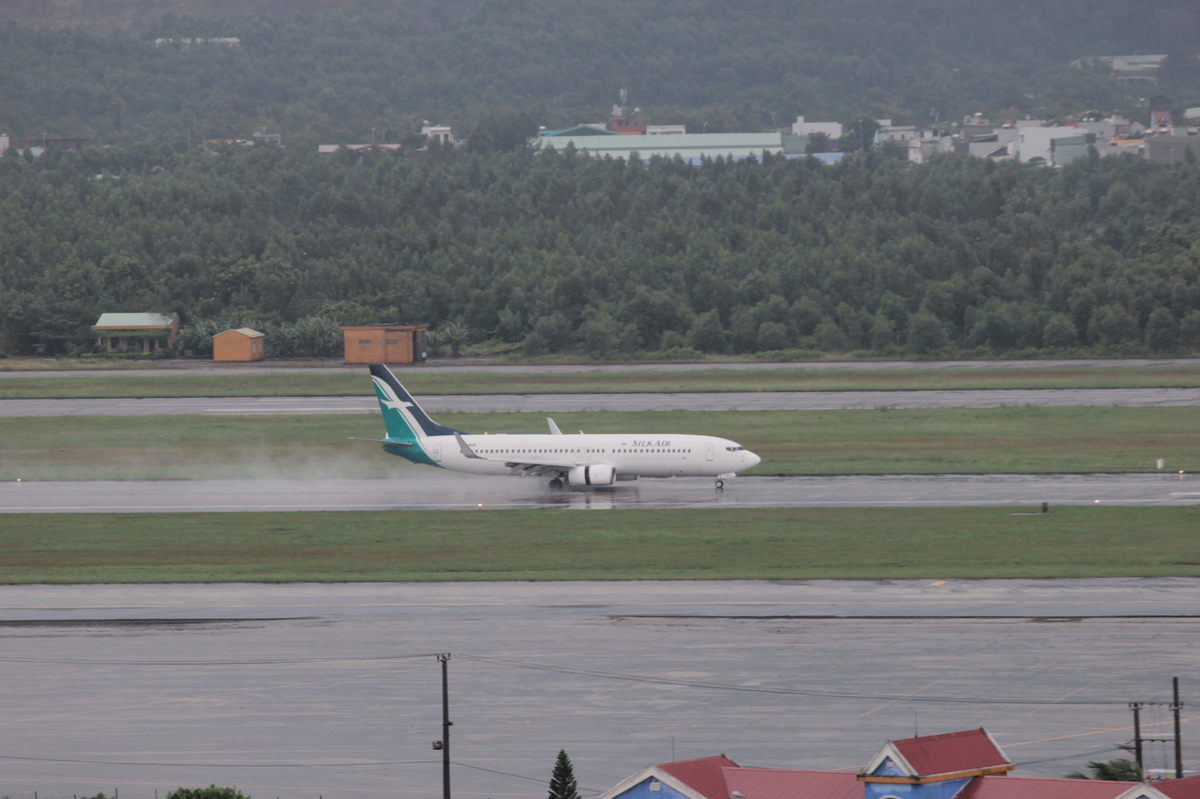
<point>556,484</point>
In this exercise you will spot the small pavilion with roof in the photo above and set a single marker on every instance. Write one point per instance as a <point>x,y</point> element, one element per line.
<point>137,332</point>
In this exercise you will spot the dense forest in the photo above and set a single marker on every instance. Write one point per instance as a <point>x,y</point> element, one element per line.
<point>360,74</point>
<point>560,251</point>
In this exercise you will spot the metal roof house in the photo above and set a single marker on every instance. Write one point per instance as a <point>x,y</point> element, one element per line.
<point>959,765</point>
<point>691,147</point>
<point>137,332</point>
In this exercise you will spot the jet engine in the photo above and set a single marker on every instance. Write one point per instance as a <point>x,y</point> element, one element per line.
<point>597,475</point>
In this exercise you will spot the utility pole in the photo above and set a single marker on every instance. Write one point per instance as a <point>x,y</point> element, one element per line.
<point>445,660</point>
<point>1178,740</point>
<point>1137,737</point>
<point>1136,746</point>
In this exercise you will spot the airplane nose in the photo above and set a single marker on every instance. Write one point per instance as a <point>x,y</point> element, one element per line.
<point>751,459</point>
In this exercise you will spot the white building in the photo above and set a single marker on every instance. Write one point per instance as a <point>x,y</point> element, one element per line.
<point>666,130</point>
<point>832,130</point>
<point>442,133</point>
<point>897,134</point>
<point>1037,143</point>
<point>690,147</point>
<point>923,148</point>
<point>999,144</point>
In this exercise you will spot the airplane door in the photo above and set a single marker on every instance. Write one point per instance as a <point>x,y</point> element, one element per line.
<point>436,451</point>
<point>708,452</point>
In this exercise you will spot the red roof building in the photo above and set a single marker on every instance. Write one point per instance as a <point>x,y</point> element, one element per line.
<point>1186,788</point>
<point>1034,788</point>
<point>703,774</point>
<point>935,758</point>
<point>781,783</point>
<point>962,765</point>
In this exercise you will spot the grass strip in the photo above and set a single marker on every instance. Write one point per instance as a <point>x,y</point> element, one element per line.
<point>758,544</point>
<point>420,381</point>
<point>1017,440</point>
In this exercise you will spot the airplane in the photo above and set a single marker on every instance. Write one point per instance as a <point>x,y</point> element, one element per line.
<point>575,460</point>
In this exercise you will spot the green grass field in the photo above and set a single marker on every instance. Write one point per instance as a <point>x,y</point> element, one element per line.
<point>956,440</point>
<point>344,382</point>
<point>791,544</point>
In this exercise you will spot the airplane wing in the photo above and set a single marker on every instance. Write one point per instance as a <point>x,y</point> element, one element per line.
<point>553,427</point>
<point>531,466</point>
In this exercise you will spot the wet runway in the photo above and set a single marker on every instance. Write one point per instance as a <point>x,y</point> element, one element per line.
<point>466,492</point>
<point>300,691</point>
<point>552,403</point>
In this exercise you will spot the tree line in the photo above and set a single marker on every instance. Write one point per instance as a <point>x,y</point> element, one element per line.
<point>563,252</point>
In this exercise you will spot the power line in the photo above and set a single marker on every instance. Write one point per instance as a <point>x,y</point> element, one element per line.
<point>517,776</point>
<point>1092,753</point>
<point>462,737</point>
<point>217,765</point>
<point>607,675</point>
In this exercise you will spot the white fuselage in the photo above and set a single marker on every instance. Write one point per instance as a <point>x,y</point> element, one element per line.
<point>651,455</point>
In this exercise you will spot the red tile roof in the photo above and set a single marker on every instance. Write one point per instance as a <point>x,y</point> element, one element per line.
<point>1036,788</point>
<point>950,752</point>
<point>703,774</point>
<point>773,783</point>
<point>1186,788</point>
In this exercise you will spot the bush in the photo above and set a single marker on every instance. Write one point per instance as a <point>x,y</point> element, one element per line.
<point>1189,331</point>
<point>772,336</point>
<point>1112,324</point>
<point>1059,332</point>
<point>1162,332</point>
<point>211,792</point>
<point>830,337</point>
<point>926,333</point>
<point>706,333</point>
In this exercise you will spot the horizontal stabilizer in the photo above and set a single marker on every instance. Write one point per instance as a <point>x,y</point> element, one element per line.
<point>393,442</point>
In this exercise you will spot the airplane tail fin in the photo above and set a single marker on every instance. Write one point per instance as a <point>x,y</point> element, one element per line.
<point>402,416</point>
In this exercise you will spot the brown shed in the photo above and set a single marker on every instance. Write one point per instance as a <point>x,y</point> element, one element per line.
<point>239,344</point>
<point>385,343</point>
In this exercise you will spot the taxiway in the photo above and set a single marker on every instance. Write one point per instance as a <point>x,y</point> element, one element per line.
<point>565,403</point>
<point>301,691</point>
<point>445,491</point>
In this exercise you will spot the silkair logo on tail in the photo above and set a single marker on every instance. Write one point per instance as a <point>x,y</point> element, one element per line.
<point>403,417</point>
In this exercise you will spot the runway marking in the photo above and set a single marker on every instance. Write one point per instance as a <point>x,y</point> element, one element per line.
<point>889,704</point>
<point>202,698</point>
<point>1102,731</point>
<point>156,702</point>
<point>1067,696</point>
<point>613,687</point>
<point>939,582</point>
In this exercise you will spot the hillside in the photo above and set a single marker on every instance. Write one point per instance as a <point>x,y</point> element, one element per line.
<point>139,16</point>
<point>318,70</point>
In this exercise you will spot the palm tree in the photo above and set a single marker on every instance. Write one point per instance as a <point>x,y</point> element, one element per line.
<point>1120,770</point>
<point>455,334</point>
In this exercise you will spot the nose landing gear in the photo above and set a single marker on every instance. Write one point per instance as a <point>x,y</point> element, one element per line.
<point>720,484</point>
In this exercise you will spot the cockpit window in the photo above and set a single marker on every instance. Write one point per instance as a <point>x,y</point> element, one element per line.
<point>734,449</point>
